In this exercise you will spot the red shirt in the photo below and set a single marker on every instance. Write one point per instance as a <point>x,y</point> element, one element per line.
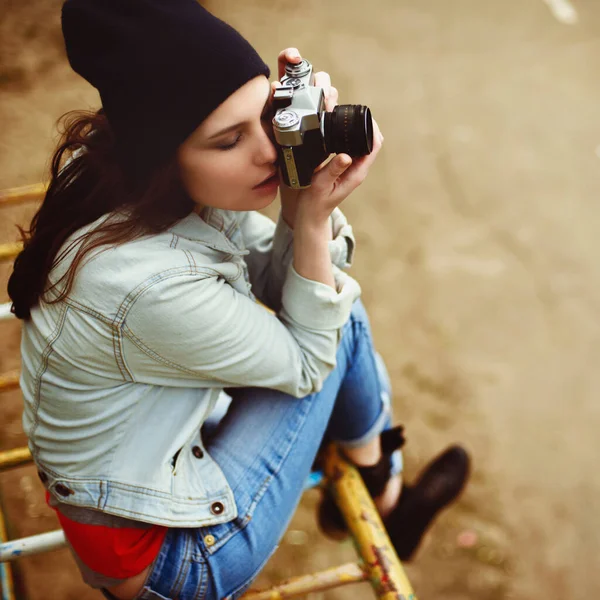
<point>118,552</point>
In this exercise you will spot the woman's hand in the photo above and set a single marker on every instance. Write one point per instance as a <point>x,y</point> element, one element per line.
<point>337,180</point>
<point>308,211</point>
<point>334,180</point>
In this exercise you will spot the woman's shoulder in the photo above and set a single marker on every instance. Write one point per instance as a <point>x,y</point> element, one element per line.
<point>111,273</point>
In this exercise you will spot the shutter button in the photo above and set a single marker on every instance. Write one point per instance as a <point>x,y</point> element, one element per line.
<point>217,508</point>
<point>63,490</point>
<point>197,452</point>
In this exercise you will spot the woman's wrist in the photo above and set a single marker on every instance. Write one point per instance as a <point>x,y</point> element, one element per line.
<point>311,250</point>
<point>308,214</point>
<point>289,204</point>
<point>294,202</point>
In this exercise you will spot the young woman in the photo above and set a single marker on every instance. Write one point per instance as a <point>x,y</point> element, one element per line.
<point>138,285</point>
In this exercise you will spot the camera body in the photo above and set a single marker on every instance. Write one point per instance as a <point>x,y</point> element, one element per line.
<point>305,134</point>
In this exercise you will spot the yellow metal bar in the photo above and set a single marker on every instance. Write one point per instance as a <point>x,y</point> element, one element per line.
<point>10,250</point>
<point>381,562</point>
<point>14,458</point>
<point>6,579</point>
<point>9,381</point>
<point>315,582</point>
<point>22,194</point>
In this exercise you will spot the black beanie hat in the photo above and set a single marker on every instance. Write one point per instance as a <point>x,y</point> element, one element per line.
<point>161,67</point>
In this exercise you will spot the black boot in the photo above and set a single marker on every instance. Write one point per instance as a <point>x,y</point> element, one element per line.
<point>438,485</point>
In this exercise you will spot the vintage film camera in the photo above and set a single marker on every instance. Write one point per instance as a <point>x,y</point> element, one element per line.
<point>306,134</point>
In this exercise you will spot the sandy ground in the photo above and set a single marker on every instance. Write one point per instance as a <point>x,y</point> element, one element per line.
<point>478,242</point>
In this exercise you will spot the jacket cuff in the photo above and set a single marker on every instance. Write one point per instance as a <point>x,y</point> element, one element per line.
<point>315,305</point>
<point>341,248</point>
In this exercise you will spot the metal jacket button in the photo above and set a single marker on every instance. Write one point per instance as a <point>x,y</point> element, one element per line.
<point>217,508</point>
<point>63,490</point>
<point>197,452</point>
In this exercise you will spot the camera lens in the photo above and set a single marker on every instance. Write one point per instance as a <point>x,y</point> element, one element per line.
<point>349,128</point>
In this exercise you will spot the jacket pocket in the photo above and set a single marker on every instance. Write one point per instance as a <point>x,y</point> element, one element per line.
<point>175,461</point>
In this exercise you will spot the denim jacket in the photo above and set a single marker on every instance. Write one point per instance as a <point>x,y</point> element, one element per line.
<point>119,377</point>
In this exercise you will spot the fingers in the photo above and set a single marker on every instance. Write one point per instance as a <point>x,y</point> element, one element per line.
<point>339,164</point>
<point>355,175</point>
<point>285,56</point>
<point>274,86</point>
<point>324,181</point>
<point>377,141</point>
<point>344,173</point>
<point>323,80</point>
<point>377,135</point>
<point>331,99</point>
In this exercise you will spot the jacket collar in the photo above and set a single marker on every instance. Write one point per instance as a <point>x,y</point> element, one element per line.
<point>209,229</point>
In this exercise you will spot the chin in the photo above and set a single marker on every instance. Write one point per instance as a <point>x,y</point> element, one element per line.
<point>257,201</point>
<point>245,202</point>
<point>265,201</point>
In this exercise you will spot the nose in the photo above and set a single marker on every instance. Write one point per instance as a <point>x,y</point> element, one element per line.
<point>267,153</point>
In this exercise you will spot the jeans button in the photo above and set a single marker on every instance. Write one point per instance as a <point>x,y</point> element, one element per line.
<point>209,540</point>
<point>217,508</point>
<point>63,490</point>
<point>197,452</point>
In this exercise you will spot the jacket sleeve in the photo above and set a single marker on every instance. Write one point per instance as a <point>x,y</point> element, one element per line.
<point>271,251</point>
<point>194,330</point>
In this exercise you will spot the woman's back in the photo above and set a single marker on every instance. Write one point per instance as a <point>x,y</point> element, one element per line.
<point>89,383</point>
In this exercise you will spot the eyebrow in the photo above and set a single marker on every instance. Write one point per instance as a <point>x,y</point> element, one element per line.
<point>232,127</point>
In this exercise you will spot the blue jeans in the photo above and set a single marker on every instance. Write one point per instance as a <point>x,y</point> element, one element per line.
<point>266,445</point>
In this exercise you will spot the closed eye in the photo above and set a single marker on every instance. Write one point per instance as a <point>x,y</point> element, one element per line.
<point>266,116</point>
<point>233,145</point>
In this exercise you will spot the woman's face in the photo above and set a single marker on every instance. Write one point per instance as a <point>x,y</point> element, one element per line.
<point>226,159</point>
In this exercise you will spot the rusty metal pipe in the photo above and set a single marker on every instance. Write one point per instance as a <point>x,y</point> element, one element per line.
<point>6,577</point>
<point>35,544</point>
<point>314,582</point>
<point>381,562</point>
<point>5,313</point>
<point>25,193</point>
<point>9,381</point>
<point>14,458</point>
<point>8,251</point>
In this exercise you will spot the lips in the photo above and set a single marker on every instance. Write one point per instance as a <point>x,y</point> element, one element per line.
<point>267,179</point>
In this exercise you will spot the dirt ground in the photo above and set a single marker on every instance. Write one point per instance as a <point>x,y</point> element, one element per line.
<point>478,241</point>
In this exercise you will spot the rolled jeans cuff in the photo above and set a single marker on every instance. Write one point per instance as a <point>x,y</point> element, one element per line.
<point>382,423</point>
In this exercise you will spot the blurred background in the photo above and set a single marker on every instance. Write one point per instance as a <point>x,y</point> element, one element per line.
<point>478,242</point>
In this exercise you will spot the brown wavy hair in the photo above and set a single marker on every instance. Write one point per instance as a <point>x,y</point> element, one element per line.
<point>87,182</point>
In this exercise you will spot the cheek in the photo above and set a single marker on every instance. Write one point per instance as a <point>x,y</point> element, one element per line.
<point>214,180</point>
